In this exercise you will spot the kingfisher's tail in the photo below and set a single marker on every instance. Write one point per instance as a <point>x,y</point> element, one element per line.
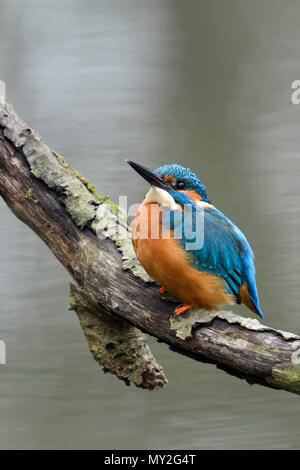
<point>251,301</point>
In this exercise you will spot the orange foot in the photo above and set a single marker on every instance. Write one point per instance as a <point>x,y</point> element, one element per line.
<point>181,310</point>
<point>162,291</point>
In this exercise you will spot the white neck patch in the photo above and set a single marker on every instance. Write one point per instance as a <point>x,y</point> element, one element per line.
<point>204,205</point>
<point>162,197</point>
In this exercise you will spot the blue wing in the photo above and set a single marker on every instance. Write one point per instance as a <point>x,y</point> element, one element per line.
<point>223,251</point>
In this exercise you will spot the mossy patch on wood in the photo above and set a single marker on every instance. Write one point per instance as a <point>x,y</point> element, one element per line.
<point>285,377</point>
<point>91,187</point>
<point>30,195</point>
<point>122,350</point>
<point>183,324</point>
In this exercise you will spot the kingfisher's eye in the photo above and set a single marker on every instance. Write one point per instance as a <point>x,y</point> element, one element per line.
<point>180,184</point>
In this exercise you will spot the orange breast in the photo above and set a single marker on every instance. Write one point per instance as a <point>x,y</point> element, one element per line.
<point>169,264</point>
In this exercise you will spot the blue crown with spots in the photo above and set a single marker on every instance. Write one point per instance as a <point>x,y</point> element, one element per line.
<point>192,182</point>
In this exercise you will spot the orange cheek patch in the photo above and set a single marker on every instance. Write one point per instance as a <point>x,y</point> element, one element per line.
<point>193,195</point>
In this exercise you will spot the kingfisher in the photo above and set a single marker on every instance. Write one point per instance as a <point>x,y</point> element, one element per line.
<point>190,247</point>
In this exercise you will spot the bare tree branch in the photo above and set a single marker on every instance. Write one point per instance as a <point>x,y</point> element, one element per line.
<point>113,296</point>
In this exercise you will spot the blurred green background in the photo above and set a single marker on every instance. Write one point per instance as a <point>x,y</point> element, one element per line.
<point>204,83</point>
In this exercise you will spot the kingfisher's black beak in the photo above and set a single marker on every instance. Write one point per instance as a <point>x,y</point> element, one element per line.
<point>153,178</point>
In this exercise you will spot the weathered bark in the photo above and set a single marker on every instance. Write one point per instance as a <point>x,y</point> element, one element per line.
<point>59,211</point>
<point>113,297</point>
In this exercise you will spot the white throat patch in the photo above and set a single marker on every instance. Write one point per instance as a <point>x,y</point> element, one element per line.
<point>162,197</point>
<point>204,205</point>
